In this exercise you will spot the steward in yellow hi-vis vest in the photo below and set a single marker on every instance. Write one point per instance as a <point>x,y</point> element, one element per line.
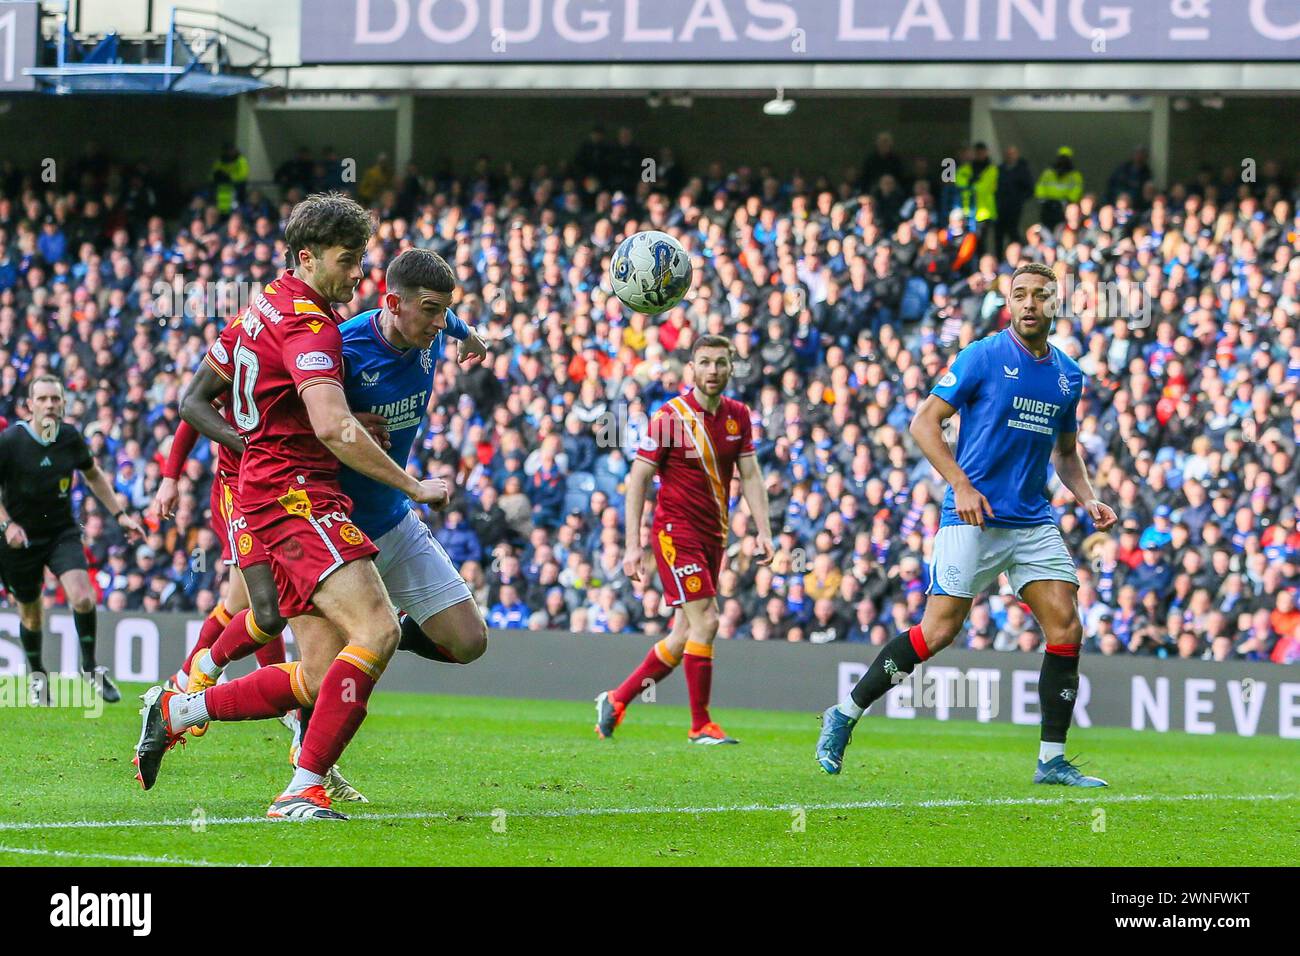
<point>977,182</point>
<point>1059,185</point>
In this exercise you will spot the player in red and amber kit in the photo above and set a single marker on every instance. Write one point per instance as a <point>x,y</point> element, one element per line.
<point>696,442</point>
<point>282,364</point>
<point>238,550</point>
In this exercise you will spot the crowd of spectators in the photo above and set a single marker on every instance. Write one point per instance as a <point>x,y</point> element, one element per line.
<point>845,298</point>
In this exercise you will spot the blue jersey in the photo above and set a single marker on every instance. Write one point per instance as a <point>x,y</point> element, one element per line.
<point>1013,405</point>
<point>380,378</point>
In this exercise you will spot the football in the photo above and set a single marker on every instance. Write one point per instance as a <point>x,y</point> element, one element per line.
<point>650,272</point>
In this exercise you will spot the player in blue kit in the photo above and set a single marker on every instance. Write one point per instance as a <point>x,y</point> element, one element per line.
<point>389,355</point>
<point>1018,398</point>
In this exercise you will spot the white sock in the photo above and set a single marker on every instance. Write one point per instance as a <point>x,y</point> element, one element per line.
<point>206,665</point>
<point>302,779</point>
<point>1046,751</point>
<point>186,711</point>
<point>182,679</point>
<point>850,709</point>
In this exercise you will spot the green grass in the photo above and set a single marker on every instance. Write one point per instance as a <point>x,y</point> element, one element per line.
<point>645,798</point>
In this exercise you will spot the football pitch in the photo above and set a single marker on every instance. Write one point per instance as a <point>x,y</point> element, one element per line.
<point>501,782</point>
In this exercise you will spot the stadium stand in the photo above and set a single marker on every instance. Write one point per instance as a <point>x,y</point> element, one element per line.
<point>846,299</point>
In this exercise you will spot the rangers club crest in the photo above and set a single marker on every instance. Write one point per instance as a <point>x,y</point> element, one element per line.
<point>426,361</point>
<point>1064,383</point>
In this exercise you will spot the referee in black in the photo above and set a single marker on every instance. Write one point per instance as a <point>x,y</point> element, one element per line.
<point>37,459</point>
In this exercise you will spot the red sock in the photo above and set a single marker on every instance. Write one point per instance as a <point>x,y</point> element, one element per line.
<point>208,634</point>
<point>658,664</point>
<point>340,707</point>
<point>240,638</point>
<point>270,653</point>
<point>267,692</point>
<point>698,664</point>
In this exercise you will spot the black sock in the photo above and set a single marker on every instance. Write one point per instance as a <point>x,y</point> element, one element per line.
<point>1058,685</point>
<point>417,642</point>
<point>896,657</point>
<point>304,718</point>
<point>31,641</point>
<point>85,624</point>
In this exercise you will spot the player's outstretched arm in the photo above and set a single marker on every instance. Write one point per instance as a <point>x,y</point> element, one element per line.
<point>350,442</point>
<point>754,490</point>
<point>638,485</point>
<point>197,408</point>
<point>927,429</point>
<point>102,489</point>
<point>1067,458</point>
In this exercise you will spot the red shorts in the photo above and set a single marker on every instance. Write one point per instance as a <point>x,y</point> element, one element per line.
<point>246,548</point>
<point>688,564</point>
<point>220,527</point>
<point>308,535</point>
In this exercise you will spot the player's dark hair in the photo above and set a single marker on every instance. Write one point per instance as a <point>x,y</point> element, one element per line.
<point>420,269</point>
<point>1034,268</point>
<point>712,342</point>
<point>323,220</point>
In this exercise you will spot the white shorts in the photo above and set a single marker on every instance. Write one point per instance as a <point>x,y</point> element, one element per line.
<point>968,559</point>
<point>419,576</point>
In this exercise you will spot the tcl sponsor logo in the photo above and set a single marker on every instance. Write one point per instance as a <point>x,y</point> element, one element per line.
<point>328,518</point>
<point>687,570</point>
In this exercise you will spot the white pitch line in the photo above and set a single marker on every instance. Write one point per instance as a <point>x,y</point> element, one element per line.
<point>953,803</point>
<point>117,857</point>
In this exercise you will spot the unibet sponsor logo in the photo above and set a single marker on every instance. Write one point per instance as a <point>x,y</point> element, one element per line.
<point>1034,407</point>
<point>393,411</point>
<point>351,534</point>
<point>314,362</point>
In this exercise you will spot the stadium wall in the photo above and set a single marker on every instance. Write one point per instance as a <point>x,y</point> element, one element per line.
<point>1139,693</point>
<point>178,136</point>
<point>822,134</point>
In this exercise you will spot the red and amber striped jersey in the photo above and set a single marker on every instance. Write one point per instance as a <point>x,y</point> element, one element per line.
<point>696,455</point>
<point>286,341</point>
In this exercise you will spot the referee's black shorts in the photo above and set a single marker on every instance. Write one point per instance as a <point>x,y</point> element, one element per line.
<point>23,569</point>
